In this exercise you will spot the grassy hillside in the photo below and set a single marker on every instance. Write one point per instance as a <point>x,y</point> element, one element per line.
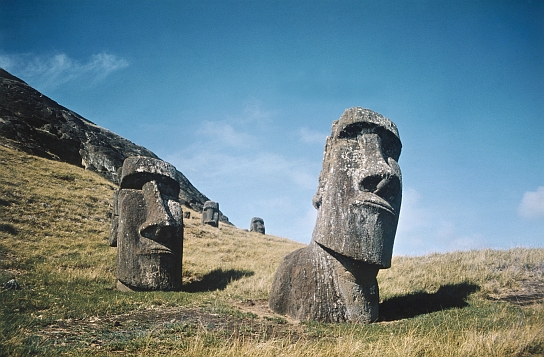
<point>54,227</point>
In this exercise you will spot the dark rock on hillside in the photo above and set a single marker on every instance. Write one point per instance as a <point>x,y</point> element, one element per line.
<point>36,124</point>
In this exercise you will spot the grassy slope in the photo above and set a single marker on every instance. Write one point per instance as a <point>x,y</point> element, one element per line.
<point>53,240</point>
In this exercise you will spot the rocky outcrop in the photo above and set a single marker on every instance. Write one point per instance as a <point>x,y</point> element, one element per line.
<point>36,124</point>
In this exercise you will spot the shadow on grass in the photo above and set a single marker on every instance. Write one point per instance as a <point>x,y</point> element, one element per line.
<point>447,297</point>
<point>217,279</point>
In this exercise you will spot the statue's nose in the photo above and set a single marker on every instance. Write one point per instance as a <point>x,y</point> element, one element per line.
<point>378,176</point>
<point>159,224</point>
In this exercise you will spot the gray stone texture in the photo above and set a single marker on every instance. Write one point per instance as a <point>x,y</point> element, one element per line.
<point>210,213</point>
<point>147,226</point>
<point>358,201</point>
<point>257,225</point>
<point>33,123</point>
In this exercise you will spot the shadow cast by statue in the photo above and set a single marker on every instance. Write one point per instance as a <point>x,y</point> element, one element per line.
<point>447,297</point>
<point>217,279</point>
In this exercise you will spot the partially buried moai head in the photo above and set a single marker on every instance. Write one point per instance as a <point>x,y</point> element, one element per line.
<point>359,193</point>
<point>210,213</point>
<point>257,225</point>
<point>148,226</point>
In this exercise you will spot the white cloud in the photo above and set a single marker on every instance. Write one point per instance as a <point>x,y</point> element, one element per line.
<point>423,228</point>
<point>260,168</point>
<point>412,215</point>
<point>223,133</point>
<point>310,136</point>
<point>253,182</point>
<point>253,113</point>
<point>52,71</point>
<point>532,204</point>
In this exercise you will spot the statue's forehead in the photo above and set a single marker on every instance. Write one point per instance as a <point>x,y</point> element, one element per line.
<point>139,169</point>
<point>211,205</point>
<point>359,118</point>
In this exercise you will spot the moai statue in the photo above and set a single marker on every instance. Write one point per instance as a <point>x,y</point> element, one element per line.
<point>210,213</point>
<point>147,226</point>
<point>358,200</point>
<point>257,225</point>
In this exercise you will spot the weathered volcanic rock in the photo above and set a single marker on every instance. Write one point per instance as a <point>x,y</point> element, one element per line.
<point>148,227</point>
<point>358,202</point>
<point>33,123</point>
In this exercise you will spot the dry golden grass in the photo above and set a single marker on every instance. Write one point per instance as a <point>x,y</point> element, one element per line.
<point>54,227</point>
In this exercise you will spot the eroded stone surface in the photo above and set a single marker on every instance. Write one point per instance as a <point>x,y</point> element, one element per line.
<point>210,213</point>
<point>358,201</point>
<point>147,226</point>
<point>257,225</point>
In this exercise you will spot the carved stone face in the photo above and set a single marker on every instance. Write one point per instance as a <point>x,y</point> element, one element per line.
<point>359,193</point>
<point>150,226</point>
<point>257,225</point>
<point>210,213</point>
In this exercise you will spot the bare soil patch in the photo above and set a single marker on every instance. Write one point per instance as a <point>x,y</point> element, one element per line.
<point>101,331</point>
<point>530,291</point>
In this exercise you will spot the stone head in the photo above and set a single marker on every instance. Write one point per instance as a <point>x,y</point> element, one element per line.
<point>359,193</point>
<point>210,213</point>
<point>257,225</point>
<point>149,227</point>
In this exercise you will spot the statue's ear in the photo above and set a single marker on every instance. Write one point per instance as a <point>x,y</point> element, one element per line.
<point>114,220</point>
<point>316,200</point>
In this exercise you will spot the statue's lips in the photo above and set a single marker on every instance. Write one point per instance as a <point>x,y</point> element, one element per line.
<point>372,200</point>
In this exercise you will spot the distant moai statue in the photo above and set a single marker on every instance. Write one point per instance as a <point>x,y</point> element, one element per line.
<point>147,226</point>
<point>210,213</point>
<point>358,200</point>
<point>257,225</point>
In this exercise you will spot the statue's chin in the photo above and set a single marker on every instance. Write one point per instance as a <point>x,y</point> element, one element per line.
<point>372,229</point>
<point>365,233</point>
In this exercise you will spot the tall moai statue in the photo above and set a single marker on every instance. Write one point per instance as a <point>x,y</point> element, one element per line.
<point>210,213</point>
<point>257,225</point>
<point>147,226</point>
<point>358,200</point>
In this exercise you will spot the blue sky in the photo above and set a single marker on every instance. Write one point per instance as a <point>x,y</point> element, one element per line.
<point>240,96</point>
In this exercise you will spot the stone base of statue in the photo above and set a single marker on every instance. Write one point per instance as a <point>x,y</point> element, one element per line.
<point>314,283</point>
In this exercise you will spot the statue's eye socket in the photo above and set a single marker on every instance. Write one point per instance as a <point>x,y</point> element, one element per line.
<point>167,186</point>
<point>391,145</point>
<point>390,142</point>
<point>167,189</point>
<point>352,131</point>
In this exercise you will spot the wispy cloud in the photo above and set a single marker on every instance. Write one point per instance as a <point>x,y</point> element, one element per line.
<point>426,229</point>
<point>310,136</point>
<point>246,170</point>
<point>221,133</point>
<point>51,71</point>
<point>532,204</point>
<point>254,112</point>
